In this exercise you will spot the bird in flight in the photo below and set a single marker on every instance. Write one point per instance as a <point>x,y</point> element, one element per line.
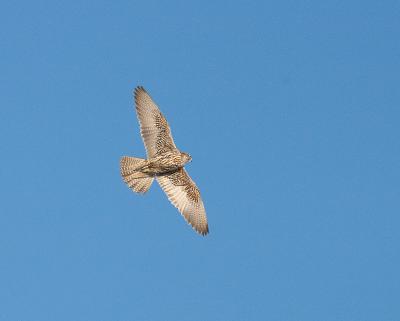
<point>165,162</point>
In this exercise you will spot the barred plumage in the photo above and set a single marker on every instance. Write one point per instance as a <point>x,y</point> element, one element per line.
<point>165,163</point>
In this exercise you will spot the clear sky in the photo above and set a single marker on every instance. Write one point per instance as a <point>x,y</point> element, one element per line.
<point>291,112</point>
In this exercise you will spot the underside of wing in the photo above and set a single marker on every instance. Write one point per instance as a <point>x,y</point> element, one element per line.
<point>185,196</point>
<point>154,127</point>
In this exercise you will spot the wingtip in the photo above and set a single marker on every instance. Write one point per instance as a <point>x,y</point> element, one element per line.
<point>204,232</point>
<point>139,89</point>
<point>136,92</point>
<point>199,229</point>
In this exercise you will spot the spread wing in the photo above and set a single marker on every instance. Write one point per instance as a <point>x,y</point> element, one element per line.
<point>154,127</point>
<point>185,196</point>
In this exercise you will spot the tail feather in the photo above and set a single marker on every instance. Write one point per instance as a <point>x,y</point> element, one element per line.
<point>131,164</point>
<point>132,175</point>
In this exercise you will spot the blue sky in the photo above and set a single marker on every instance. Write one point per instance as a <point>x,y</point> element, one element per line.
<point>290,110</point>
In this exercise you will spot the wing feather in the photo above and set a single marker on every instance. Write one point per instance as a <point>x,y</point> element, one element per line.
<point>185,196</point>
<point>154,127</point>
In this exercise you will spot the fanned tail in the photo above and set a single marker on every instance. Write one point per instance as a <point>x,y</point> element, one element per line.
<point>133,176</point>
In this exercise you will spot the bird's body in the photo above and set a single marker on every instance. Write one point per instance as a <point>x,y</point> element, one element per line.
<point>165,163</point>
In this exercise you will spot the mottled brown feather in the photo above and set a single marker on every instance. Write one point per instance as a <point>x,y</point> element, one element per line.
<point>154,127</point>
<point>136,180</point>
<point>185,196</point>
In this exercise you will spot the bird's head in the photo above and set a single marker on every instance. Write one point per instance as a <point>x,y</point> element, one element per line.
<point>186,158</point>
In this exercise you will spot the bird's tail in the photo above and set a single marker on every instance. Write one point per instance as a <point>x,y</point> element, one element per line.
<point>133,176</point>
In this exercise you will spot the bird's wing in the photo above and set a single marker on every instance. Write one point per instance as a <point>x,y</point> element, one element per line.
<point>154,127</point>
<point>185,196</point>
